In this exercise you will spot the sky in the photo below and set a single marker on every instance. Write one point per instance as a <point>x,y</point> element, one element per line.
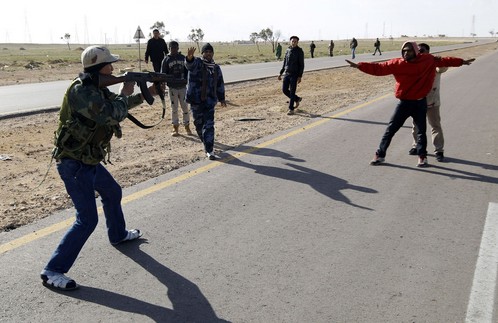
<point>113,22</point>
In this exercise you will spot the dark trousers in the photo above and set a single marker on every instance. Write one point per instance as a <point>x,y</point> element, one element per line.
<point>417,109</point>
<point>157,66</point>
<point>289,86</point>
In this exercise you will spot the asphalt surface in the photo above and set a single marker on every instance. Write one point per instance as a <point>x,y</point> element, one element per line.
<point>295,227</point>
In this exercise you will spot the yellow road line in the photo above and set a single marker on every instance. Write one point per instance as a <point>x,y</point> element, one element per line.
<point>157,187</point>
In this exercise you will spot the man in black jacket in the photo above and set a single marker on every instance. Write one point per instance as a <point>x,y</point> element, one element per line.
<point>292,68</point>
<point>156,50</point>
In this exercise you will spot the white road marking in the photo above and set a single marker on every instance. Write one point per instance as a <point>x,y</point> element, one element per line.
<point>482,295</point>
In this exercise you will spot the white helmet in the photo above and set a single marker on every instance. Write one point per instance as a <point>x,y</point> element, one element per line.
<point>95,55</point>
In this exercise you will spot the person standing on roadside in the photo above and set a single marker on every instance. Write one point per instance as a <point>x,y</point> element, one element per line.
<point>205,88</point>
<point>353,44</point>
<point>174,65</point>
<point>89,117</point>
<point>331,48</point>
<point>414,75</point>
<point>433,112</point>
<point>292,69</point>
<point>156,50</point>
<point>278,51</point>
<point>312,49</point>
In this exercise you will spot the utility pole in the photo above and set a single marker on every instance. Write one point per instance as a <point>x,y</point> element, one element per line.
<point>27,36</point>
<point>473,28</point>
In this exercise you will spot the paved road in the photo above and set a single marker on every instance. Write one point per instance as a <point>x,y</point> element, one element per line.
<point>29,98</point>
<point>295,227</point>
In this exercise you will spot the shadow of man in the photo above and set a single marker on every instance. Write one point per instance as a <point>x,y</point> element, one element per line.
<point>323,183</point>
<point>189,304</point>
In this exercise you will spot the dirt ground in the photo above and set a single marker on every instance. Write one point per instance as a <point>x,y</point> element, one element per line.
<point>26,142</point>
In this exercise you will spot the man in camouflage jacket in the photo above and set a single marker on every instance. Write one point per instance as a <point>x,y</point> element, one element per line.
<point>89,117</point>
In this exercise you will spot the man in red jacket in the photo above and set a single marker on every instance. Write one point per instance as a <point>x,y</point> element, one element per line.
<point>414,74</point>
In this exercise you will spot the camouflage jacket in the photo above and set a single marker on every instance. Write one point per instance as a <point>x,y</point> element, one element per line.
<point>88,119</point>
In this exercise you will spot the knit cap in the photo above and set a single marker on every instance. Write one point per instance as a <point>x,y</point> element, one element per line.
<point>207,47</point>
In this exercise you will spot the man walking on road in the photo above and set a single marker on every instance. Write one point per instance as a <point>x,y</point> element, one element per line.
<point>377,47</point>
<point>293,69</point>
<point>205,89</point>
<point>414,75</point>
<point>174,65</point>
<point>156,50</point>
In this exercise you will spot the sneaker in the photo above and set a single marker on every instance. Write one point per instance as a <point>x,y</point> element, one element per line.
<point>422,161</point>
<point>377,160</point>
<point>439,156</point>
<point>132,235</point>
<point>412,152</point>
<point>212,156</point>
<point>290,112</point>
<point>57,281</point>
<point>297,102</point>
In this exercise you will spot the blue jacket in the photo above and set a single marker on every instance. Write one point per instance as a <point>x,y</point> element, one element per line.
<point>210,73</point>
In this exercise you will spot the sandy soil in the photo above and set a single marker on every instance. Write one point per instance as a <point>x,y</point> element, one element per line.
<point>26,142</point>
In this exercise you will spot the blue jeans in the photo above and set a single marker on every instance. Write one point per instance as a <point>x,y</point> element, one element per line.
<point>417,109</point>
<point>81,181</point>
<point>289,86</point>
<point>203,115</point>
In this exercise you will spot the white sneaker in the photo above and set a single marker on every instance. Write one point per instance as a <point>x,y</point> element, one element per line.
<point>377,160</point>
<point>211,155</point>
<point>58,281</point>
<point>422,162</point>
<point>132,235</point>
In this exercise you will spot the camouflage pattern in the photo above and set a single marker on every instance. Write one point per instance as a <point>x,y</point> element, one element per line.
<point>88,119</point>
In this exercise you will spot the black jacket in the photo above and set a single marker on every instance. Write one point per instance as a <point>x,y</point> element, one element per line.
<point>156,50</point>
<point>293,62</point>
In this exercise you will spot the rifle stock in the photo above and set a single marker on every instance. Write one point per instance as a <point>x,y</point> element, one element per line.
<point>141,79</point>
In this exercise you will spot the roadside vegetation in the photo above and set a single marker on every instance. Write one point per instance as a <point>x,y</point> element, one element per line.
<point>15,57</point>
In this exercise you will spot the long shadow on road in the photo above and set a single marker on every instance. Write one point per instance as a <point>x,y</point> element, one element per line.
<point>444,169</point>
<point>189,304</point>
<point>323,183</point>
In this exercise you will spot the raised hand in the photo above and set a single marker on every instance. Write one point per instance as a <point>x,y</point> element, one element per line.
<point>190,52</point>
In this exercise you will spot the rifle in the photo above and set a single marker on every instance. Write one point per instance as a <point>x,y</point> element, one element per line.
<point>141,79</point>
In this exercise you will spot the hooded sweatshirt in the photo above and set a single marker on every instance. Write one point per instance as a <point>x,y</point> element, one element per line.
<point>414,78</point>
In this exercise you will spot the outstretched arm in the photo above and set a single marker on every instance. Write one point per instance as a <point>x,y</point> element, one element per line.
<point>468,61</point>
<point>352,64</point>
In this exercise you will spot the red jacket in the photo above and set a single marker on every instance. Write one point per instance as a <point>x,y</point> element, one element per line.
<point>414,78</point>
